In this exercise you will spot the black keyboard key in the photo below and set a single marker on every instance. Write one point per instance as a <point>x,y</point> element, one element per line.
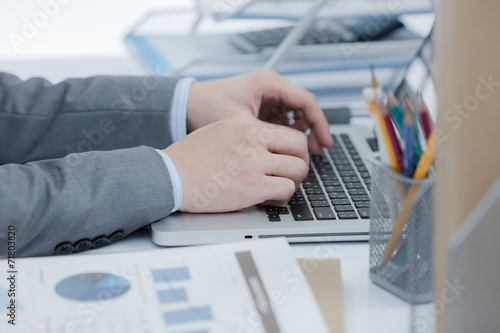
<point>364,175</point>
<point>360,197</point>
<point>310,185</point>
<point>331,189</point>
<point>297,202</point>
<point>356,191</point>
<point>351,179</point>
<point>321,203</point>
<point>283,210</point>
<point>329,177</point>
<point>341,162</point>
<point>301,213</point>
<point>347,216</point>
<point>317,197</point>
<point>324,213</point>
<point>344,208</point>
<point>348,173</point>
<point>364,213</point>
<point>337,202</point>
<point>359,164</point>
<point>331,182</point>
<point>362,204</point>
<point>367,181</point>
<point>271,209</point>
<point>337,195</point>
<point>362,169</point>
<point>354,185</point>
<point>274,217</point>
<point>344,167</point>
<point>312,191</point>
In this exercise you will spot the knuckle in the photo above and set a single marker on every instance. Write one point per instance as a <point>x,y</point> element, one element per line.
<point>303,168</point>
<point>268,73</point>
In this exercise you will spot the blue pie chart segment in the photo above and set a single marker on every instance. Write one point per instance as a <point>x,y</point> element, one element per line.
<point>92,287</point>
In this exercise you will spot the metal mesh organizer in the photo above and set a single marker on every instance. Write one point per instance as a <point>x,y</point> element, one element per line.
<point>408,272</point>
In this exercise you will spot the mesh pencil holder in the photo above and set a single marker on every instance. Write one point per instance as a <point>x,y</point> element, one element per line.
<point>401,234</point>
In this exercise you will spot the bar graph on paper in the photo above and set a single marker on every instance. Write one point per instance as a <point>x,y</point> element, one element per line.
<point>212,289</point>
<point>172,292</point>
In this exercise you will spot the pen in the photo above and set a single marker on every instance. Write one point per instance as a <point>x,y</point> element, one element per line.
<point>420,173</point>
<point>409,139</point>
<point>425,117</point>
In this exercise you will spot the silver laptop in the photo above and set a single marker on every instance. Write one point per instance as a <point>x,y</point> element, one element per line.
<point>332,203</point>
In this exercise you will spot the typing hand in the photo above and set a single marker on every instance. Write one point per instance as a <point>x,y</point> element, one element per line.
<point>238,162</point>
<point>266,95</point>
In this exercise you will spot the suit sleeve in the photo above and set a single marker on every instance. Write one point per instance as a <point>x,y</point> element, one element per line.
<point>82,201</point>
<point>40,120</point>
<point>77,164</point>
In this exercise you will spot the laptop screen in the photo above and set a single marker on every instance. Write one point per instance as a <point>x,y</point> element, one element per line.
<point>419,76</point>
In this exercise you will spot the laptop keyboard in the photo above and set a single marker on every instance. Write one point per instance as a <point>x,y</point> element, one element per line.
<point>325,33</point>
<point>338,190</point>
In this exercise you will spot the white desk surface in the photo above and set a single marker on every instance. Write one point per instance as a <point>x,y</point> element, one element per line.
<point>368,308</point>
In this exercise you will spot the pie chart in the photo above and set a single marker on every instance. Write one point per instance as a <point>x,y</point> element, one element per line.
<point>92,287</point>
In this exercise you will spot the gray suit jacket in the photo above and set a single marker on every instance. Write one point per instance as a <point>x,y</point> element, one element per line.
<point>77,164</point>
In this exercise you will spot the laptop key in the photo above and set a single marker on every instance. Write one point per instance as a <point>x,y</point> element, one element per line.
<point>297,202</point>
<point>310,185</point>
<point>317,197</point>
<point>347,215</point>
<point>274,217</point>
<point>271,209</point>
<point>337,202</point>
<point>337,195</point>
<point>301,212</point>
<point>322,203</point>
<point>324,213</point>
<point>352,179</point>
<point>332,182</point>
<point>331,189</point>
<point>357,191</point>
<point>283,210</point>
<point>344,208</point>
<point>364,213</point>
<point>362,204</point>
<point>354,185</point>
<point>361,197</point>
<point>312,191</point>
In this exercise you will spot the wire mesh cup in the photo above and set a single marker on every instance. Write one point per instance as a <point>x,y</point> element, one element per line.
<point>401,233</point>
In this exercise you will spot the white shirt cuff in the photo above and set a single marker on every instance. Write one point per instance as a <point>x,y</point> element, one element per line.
<point>175,178</point>
<point>179,109</point>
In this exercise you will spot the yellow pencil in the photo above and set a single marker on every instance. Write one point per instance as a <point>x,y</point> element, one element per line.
<point>420,173</point>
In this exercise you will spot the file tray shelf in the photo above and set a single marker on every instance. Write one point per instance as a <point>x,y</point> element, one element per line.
<point>186,43</point>
<point>295,9</point>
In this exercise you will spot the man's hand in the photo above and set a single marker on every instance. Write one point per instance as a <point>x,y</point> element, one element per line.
<point>238,162</point>
<point>266,95</point>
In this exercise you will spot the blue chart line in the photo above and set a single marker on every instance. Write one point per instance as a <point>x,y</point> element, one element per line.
<point>171,274</point>
<point>172,295</point>
<point>188,316</point>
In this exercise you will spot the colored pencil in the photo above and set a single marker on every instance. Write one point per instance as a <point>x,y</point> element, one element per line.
<point>396,111</point>
<point>409,139</point>
<point>393,147</point>
<point>425,118</point>
<point>420,173</point>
